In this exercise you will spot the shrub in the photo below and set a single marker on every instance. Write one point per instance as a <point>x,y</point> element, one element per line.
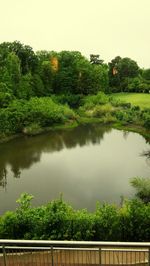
<point>98,99</point>
<point>73,100</point>
<point>108,118</point>
<point>146,118</point>
<point>25,116</point>
<point>142,186</point>
<point>134,221</point>
<point>106,223</point>
<point>32,129</point>
<point>101,110</point>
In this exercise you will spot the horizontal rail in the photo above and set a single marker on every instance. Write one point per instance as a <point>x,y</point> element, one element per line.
<point>75,248</point>
<point>44,243</point>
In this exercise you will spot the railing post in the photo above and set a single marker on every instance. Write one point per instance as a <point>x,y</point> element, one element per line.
<point>52,256</point>
<point>4,255</point>
<point>149,257</point>
<point>100,257</point>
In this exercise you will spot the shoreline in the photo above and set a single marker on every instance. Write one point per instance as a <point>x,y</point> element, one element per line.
<point>80,121</point>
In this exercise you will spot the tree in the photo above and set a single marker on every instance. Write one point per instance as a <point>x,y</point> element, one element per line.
<point>94,59</point>
<point>114,78</point>
<point>46,78</point>
<point>37,85</point>
<point>14,71</point>
<point>127,68</point>
<point>5,95</point>
<point>142,186</point>
<point>146,74</point>
<point>28,59</point>
<point>25,89</point>
<point>76,75</point>
<point>120,71</point>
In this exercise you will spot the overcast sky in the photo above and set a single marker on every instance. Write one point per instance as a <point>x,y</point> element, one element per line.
<point>105,27</point>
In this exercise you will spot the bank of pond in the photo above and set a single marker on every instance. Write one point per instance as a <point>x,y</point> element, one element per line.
<point>38,115</point>
<point>57,220</point>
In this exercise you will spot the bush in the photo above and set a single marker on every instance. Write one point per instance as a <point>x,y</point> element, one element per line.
<point>73,100</point>
<point>134,221</point>
<point>100,111</point>
<point>118,103</point>
<point>106,223</point>
<point>32,129</point>
<point>124,117</point>
<point>108,118</point>
<point>25,116</point>
<point>92,100</point>
<point>146,118</point>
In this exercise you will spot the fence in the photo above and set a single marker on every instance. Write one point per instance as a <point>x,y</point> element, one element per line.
<point>72,253</point>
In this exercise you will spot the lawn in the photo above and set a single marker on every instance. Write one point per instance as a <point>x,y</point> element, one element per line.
<point>140,99</point>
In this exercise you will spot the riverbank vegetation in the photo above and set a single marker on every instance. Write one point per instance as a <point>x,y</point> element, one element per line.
<point>46,89</point>
<point>57,220</point>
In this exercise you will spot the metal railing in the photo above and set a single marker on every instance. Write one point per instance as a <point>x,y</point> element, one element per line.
<point>73,253</point>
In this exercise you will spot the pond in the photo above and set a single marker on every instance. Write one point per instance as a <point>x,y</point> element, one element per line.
<point>86,164</point>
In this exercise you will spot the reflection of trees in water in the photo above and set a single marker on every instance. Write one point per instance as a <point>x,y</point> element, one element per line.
<point>125,134</point>
<point>24,152</point>
<point>16,171</point>
<point>147,155</point>
<point>3,177</point>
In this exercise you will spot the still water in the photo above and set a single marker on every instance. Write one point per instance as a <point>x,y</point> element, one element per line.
<point>87,164</point>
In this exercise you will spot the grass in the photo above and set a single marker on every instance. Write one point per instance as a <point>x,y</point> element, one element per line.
<point>140,99</point>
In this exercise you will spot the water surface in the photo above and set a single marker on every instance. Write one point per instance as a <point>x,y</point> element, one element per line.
<point>87,164</point>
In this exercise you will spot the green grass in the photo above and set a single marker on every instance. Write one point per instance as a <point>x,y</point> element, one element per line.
<point>140,99</point>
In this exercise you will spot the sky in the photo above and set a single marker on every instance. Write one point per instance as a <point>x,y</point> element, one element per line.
<point>105,27</point>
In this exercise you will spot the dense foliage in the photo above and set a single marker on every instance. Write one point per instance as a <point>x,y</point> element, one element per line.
<point>58,220</point>
<point>38,90</point>
<point>22,115</point>
<point>25,74</point>
<point>109,109</point>
<point>126,76</point>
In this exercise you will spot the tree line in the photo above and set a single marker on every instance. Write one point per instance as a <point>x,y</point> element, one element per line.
<point>25,74</point>
<point>36,86</point>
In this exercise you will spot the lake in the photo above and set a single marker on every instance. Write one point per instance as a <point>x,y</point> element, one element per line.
<point>87,164</point>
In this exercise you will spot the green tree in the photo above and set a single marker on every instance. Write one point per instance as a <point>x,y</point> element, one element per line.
<point>14,72</point>
<point>28,59</point>
<point>120,72</point>
<point>142,186</point>
<point>5,95</point>
<point>10,73</point>
<point>95,59</point>
<point>46,78</point>
<point>114,77</point>
<point>127,68</point>
<point>25,89</point>
<point>146,74</point>
<point>37,85</point>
